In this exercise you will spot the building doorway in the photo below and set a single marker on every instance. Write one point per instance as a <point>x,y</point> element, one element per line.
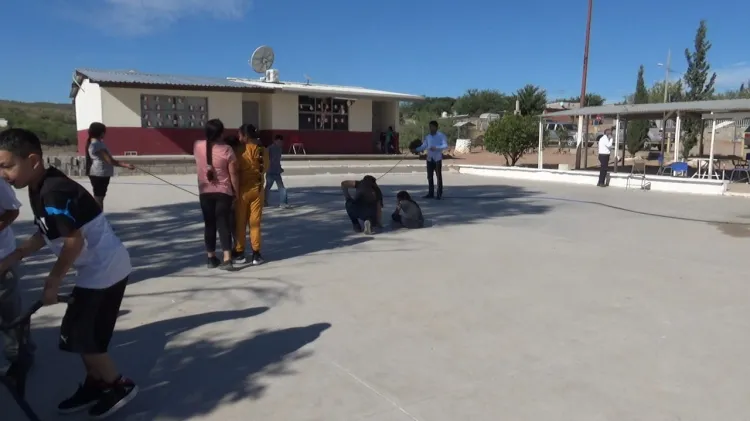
<point>251,113</point>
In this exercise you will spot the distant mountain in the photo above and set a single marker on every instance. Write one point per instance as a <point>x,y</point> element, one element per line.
<point>55,124</point>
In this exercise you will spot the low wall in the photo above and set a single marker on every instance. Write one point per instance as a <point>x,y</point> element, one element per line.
<point>652,182</point>
<point>185,164</point>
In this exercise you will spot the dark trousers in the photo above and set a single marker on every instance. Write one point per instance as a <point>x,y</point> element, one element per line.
<point>604,162</point>
<point>406,222</point>
<point>435,168</point>
<point>361,211</point>
<point>217,214</point>
<point>10,309</point>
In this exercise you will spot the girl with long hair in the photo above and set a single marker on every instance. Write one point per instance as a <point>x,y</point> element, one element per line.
<point>217,187</point>
<point>253,162</point>
<point>100,165</point>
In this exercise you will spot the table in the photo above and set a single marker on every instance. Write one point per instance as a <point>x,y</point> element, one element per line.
<point>703,164</point>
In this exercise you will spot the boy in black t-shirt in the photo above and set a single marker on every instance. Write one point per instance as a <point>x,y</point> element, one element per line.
<point>408,214</point>
<point>72,224</point>
<point>366,205</point>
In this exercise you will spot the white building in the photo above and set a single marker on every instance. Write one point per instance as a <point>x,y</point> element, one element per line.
<point>155,114</point>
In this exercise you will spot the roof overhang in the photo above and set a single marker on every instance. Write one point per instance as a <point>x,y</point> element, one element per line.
<point>79,78</point>
<point>657,111</point>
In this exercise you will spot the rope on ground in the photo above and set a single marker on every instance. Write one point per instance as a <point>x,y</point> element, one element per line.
<point>560,199</point>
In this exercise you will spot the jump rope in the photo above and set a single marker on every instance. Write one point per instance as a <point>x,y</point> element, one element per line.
<point>557,199</point>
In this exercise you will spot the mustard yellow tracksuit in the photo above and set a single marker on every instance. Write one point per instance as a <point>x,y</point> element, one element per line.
<point>252,162</point>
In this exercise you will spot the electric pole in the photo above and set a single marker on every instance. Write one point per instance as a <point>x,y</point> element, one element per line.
<point>585,140</point>
<point>666,99</point>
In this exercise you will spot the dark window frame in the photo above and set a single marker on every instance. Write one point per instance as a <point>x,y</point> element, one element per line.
<point>173,111</point>
<point>327,113</point>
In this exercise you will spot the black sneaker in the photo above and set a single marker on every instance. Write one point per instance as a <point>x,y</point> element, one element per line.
<point>87,395</point>
<point>368,228</point>
<point>357,227</point>
<point>113,399</point>
<point>428,196</point>
<point>213,262</point>
<point>228,266</point>
<point>257,258</point>
<point>238,257</point>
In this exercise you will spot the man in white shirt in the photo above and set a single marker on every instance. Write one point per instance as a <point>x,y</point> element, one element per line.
<point>10,296</point>
<point>605,148</point>
<point>435,143</point>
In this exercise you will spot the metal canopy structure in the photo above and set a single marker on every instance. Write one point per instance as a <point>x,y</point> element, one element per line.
<point>657,111</point>
<point>705,110</point>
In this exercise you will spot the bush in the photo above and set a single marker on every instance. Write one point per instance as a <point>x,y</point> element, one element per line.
<point>512,136</point>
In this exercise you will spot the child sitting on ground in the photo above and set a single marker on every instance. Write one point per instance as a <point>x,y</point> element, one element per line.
<point>408,214</point>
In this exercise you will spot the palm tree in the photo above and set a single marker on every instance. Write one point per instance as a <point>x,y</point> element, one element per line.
<point>532,99</point>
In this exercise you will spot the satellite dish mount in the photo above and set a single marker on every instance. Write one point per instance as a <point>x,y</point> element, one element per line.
<point>262,59</point>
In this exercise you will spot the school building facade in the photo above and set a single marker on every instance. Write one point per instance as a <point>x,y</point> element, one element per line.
<point>156,114</point>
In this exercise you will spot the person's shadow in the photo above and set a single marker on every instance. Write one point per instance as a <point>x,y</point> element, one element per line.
<point>179,377</point>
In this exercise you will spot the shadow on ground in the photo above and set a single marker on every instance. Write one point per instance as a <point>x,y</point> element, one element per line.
<point>164,240</point>
<point>182,374</point>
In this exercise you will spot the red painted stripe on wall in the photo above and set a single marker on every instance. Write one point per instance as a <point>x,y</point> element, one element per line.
<point>180,141</point>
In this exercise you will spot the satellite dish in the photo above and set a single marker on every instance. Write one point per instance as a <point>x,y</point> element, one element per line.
<point>262,59</point>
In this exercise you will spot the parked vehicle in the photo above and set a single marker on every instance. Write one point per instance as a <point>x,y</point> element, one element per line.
<point>553,127</point>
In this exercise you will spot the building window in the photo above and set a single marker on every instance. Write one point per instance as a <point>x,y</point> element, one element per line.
<point>174,112</point>
<point>323,113</point>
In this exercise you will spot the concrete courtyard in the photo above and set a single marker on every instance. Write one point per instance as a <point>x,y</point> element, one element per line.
<point>520,301</point>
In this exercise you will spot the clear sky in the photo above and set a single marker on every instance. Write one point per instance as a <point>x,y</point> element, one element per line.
<point>430,47</point>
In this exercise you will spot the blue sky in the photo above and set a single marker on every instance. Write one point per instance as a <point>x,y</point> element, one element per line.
<point>430,47</point>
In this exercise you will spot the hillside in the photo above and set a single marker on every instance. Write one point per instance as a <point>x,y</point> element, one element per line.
<point>54,123</point>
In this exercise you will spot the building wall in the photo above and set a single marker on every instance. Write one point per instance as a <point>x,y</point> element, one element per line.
<point>284,112</point>
<point>360,116</point>
<point>122,106</point>
<point>119,109</point>
<point>88,104</point>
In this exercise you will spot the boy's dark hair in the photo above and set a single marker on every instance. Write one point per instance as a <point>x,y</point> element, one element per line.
<point>278,137</point>
<point>369,179</point>
<point>403,195</point>
<point>433,123</point>
<point>20,142</point>
<point>96,131</point>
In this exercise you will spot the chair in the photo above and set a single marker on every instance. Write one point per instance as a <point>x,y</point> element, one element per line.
<point>296,146</point>
<point>676,168</point>
<point>662,168</point>
<point>638,171</point>
<point>741,166</point>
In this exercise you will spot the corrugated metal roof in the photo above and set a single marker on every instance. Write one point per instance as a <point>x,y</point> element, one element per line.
<point>647,110</point>
<point>137,78</point>
<point>133,77</point>
<point>344,91</point>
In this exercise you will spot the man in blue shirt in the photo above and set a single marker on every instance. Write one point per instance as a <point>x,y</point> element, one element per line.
<point>435,143</point>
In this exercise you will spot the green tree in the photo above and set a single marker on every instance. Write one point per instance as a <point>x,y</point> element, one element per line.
<point>512,136</point>
<point>532,100</point>
<point>674,92</point>
<point>699,85</point>
<point>592,100</point>
<point>432,105</point>
<point>475,102</point>
<point>638,129</point>
<point>739,94</point>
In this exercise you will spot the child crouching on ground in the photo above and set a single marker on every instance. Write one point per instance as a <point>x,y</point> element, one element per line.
<point>408,214</point>
<point>72,224</point>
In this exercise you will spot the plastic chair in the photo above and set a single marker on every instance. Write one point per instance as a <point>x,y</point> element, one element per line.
<point>637,171</point>
<point>741,166</point>
<point>678,168</point>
